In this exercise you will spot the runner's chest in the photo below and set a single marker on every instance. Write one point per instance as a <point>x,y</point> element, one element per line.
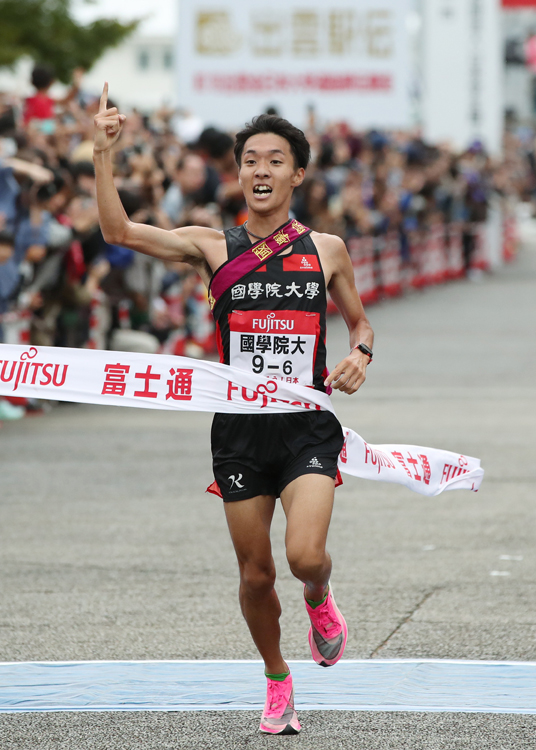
<point>273,320</point>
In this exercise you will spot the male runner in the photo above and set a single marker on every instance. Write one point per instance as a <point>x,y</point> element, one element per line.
<point>272,321</point>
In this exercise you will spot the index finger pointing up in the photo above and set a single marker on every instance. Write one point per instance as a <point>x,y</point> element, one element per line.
<point>103,105</point>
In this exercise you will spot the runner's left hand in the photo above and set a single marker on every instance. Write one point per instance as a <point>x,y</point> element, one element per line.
<point>349,374</point>
<point>108,124</point>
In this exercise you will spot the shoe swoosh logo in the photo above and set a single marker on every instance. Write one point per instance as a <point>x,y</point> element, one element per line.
<point>328,649</point>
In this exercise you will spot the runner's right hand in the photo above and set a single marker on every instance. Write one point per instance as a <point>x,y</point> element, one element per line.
<point>108,124</point>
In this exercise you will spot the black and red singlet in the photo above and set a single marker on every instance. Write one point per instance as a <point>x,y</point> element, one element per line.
<point>273,321</point>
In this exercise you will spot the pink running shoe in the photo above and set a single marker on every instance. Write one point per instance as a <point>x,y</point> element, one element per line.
<point>279,716</point>
<point>328,632</point>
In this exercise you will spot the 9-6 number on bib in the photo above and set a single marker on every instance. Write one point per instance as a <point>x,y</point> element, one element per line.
<point>276,344</point>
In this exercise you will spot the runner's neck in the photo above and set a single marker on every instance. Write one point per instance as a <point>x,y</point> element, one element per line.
<point>264,226</point>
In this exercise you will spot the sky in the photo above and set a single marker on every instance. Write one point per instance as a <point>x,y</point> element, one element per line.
<point>161,16</point>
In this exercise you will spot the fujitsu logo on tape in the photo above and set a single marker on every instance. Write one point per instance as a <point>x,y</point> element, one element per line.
<point>271,324</point>
<point>265,393</point>
<point>26,372</point>
<point>378,458</point>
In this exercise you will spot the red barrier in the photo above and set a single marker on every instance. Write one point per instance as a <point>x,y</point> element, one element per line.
<point>510,237</point>
<point>417,251</point>
<point>123,313</point>
<point>434,257</point>
<point>361,250</point>
<point>99,319</point>
<point>175,343</point>
<point>480,255</point>
<point>17,326</point>
<point>390,265</point>
<point>455,264</point>
<point>201,327</point>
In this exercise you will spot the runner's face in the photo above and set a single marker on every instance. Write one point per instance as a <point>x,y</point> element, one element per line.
<point>268,173</point>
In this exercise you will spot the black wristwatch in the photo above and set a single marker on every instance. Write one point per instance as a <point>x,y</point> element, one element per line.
<point>365,349</point>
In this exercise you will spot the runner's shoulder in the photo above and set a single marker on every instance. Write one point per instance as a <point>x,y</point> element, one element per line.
<point>330,246</point>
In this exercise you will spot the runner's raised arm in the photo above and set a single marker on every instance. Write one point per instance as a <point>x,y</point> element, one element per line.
<point>199,246</point>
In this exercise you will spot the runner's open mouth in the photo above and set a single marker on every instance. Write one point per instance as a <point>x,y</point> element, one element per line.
<point>262,189</point>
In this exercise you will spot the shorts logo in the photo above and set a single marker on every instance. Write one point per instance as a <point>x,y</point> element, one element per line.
<point>236,481</point>
<point>314,463</point>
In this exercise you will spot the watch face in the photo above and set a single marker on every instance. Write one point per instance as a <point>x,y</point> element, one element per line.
<point>365,349</point>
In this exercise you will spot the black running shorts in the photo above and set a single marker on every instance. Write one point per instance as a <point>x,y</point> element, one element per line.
<point>259,454</point>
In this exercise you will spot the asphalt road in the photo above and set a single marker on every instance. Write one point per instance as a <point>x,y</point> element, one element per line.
<point>110,549</point>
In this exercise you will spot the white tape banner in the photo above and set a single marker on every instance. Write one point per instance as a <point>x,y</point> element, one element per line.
<point>158,381</point>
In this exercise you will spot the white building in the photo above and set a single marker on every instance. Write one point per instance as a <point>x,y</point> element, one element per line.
<point>140,73</point>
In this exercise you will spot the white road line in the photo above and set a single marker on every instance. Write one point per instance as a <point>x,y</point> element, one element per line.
<point>190,685</point>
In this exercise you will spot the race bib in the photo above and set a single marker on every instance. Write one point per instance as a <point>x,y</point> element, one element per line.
<point>280,345</point>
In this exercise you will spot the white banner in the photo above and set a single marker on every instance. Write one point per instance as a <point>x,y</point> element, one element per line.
<point>165,382</point>
<point>462,69</point>
<point>347,58</point>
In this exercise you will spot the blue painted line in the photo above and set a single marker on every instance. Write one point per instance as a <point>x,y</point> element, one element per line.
<point>352,685</point>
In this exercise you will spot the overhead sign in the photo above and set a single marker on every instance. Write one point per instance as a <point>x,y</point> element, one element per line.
<point>347,58</point>
<point>462,73</point>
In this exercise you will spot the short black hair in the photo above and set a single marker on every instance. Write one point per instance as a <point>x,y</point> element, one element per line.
<point>82,168</point>
<point>50,189</point>
<point>299,145</point>
<point>42,76</point>
<point>215,142</point>
<point>6,237</point>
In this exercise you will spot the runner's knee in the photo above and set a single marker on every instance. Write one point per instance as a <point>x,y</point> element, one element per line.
<point>307,563</point>
<point>256,579</point>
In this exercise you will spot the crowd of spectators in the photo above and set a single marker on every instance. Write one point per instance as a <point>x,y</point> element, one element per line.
<point>62,285</point>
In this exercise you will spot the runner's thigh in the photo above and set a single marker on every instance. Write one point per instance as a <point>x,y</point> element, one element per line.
<point>249,524</point>
<point>308,503</point>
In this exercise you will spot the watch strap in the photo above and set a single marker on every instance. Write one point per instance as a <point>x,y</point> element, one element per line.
<point>365,349</point>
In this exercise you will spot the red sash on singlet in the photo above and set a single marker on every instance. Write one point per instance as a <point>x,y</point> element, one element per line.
<point>230,272</point>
